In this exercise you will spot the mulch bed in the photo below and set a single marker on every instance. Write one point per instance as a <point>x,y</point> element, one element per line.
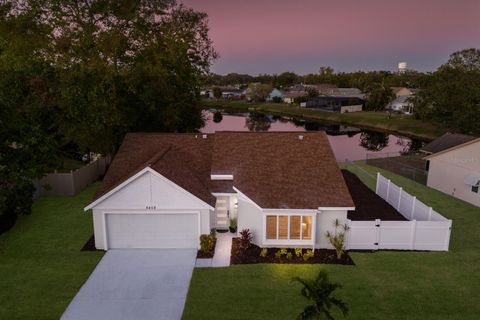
<point>368,205</point>
<point>209,255</point>
<point>252,256</point>
<point>90,245</point>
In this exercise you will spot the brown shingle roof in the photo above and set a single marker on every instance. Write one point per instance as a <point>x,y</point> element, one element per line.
<point>447,141</point>
<point>274,169</point>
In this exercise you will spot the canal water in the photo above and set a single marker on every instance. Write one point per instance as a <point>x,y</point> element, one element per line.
<point>348,143</point>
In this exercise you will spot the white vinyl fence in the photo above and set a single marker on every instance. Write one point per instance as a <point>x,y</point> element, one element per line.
<point>425,230</point>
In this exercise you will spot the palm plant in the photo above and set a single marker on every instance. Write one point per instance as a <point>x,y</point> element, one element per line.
<point>319,292</point>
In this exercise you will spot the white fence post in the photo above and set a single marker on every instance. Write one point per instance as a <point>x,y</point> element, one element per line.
<point>447,237</point>
<point>378,181</point>
<point>377,238</point>
<point>412,234</point>
<point>388,190</point>
<point>347,238</point>
<point>399,198</point>
<point>430,214</point>
<point>412,213</point>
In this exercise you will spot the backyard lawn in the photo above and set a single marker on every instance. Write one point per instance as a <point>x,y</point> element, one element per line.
<point>41,265</point>
<point>382,285</point>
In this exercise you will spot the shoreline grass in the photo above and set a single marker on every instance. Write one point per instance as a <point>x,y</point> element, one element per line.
<point>401,124</point>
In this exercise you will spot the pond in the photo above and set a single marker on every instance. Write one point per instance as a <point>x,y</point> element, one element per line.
<point>348,143</point>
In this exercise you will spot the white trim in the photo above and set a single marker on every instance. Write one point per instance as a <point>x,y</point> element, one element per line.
<point>289,211</point>
<point>223,194</point>
<point>137,175</point>
<point>335,208</point>
<point>289,242</point>
<point>242,195</point>
<point>221,176</point>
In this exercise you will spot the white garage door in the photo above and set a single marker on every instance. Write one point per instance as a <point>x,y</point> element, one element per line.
<point>152,230</point>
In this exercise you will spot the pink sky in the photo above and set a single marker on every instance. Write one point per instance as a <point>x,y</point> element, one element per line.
<point>258,36</point>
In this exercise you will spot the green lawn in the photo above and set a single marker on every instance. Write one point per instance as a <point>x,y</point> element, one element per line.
<point>41,265</point>
<point>382,285</point>
<point>402,124</point>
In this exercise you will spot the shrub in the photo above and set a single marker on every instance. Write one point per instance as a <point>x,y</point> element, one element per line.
<point>337,238</point>
<point>298,252</point>
<point>308,254</point>
<point>263,252</point>
<point>281,252</point>
<point>233,223</point>
<point>289,256</point>
<point>207,243</point>
<point>245,239</point>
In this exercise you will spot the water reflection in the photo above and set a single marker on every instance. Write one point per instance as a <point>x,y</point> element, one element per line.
<point>347,142</point>
<point>258,122</point>
<point>373,141</point>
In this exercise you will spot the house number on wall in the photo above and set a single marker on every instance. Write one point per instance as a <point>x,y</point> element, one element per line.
<point>150,207</point>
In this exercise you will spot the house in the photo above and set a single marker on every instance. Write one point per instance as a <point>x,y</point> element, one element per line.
<point>275,93</point>
<point>453,165</point>
<point>403,91</point>
<point>401,104</point>
<point>232,93</point>
<point>290,96</point>
<point>334,104</point>
<point>164,190</point>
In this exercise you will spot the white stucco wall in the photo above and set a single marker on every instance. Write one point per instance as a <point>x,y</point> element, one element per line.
<point>325,220</point>
<point>447,172</point>
<point>250,217</point>
<point>352,108</point>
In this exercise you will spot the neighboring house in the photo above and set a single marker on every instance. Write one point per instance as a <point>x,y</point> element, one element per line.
<point>401,104</point>
<point>290,96</point>
<point>403,91</point>
<point>453,166</point>
<point>334,104</point>
<point>165,190</point>
<point>275,93</point>
<point>233,93</point>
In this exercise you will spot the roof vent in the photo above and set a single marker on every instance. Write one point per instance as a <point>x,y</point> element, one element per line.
<point>204,136</point>
<point>300,137</point>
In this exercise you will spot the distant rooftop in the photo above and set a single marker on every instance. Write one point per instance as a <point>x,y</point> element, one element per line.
<point>447,141</point>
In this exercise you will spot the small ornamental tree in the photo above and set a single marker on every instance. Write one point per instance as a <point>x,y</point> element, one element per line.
<point>245,239</point>
<point>337,237</point>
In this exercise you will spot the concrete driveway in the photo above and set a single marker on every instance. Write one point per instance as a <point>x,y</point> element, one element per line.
<point>135,284</point>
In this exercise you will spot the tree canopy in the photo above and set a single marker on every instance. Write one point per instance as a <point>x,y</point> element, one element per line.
<point>84,73</point>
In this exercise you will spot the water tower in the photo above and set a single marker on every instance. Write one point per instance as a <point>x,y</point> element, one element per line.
<point>402,67</point>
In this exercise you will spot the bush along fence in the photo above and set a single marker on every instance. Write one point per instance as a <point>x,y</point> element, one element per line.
<point>425,230</point>
<point>71,183</point>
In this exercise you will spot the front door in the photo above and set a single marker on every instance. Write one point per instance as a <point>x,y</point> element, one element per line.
<point>222,212</point>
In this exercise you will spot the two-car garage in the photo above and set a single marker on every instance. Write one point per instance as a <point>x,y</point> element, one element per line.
<point>152,230</point>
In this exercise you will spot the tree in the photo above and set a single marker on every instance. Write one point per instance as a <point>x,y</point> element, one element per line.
<point>217,92</point>
<point>451,96</point>
<point>258,92</point>
<point>378,96</point>
<point>312,92</point>
<point>27,119</point>
<point>257,122</point>
<point>319,292</point>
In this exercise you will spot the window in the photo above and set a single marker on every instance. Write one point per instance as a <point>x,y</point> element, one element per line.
<point>288,227</point>
<point>271,227</point>
<point>475,189</point>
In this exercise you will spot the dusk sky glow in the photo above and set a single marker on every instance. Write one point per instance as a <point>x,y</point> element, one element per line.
<point>272,36</point>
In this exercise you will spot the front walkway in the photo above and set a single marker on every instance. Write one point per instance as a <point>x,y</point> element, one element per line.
<point>135,284</point>
<point>223,250</point>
